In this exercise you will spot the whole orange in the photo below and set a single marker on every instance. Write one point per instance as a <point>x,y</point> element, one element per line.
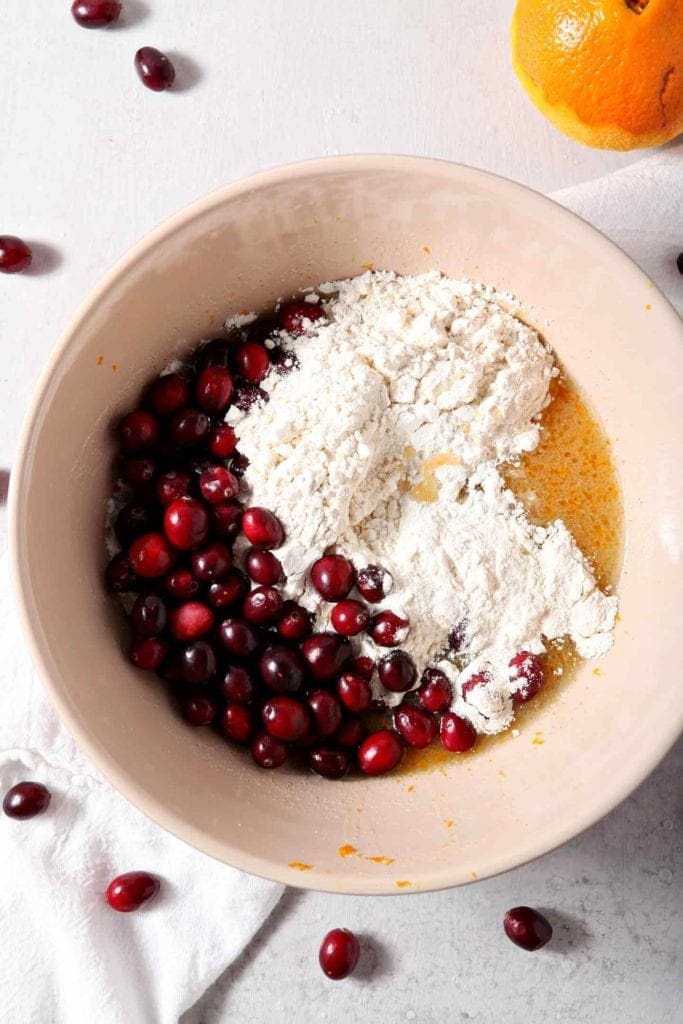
<point>608,73</point>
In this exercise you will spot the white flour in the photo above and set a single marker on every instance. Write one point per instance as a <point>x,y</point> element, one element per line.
<point>405,370</point>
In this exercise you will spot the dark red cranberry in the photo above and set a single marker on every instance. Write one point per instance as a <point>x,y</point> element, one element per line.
<point>268,752</point>
<point>388,629</point>
<point>339,953</point>
<point>238,685</point>
<point>239,464</point>
<point>214,353</point>
<point>252,362</point>
<point>132,890</point>
<point>148,615</point>
<point>283,359</point>
<point>262,606</point>
<point>132,521</point>
<point>262,528</point>
<point>147,653</point>
<point>282,669</point>
<point>181,584</point>
<point>330,762</point>
<point>222,441</point>
<point>527,928</point>
<point>237,722</point>
<point>248,395</point>
<point>26,800</point>
<point>139,431</point>
<point>458,636</point>
<point>191,620</point>
<point>326,654</point>
<point>326,712</point>
<point>380,752</point>
<point>263,567</point>
<point>226,519</point>
<point>396,672</point>
<point>230,591</point>
<point>154,69</point>
<point>218,485</point>
<point>293,316</point>
<point>527,670</point>
<point>138,470</point>
<point>211,563</point>
<point>15,255</point>
<point>120,577</point>
<point>417,727</point>
<point>168,394</point>
<point>479,679</point>
<point>188,427</point>
<point>96,13</point>
<point>349,617</point>
<point>351,732</point>
<point>374,583</point>
<point>151,555</point>
<point>435,693</point>
<point>295,623</point>
<point>186,523</point>
<point>171,667</point>
<point>333,576</point>
<point>214,389</point>
<point>457,734</point>
<point>286,719</point>
<point>173,484</point>
<point>354,692</point>
<point>198,709</point>
<point>198,662</point>
<point>362,666</point>
<point>239,638</point>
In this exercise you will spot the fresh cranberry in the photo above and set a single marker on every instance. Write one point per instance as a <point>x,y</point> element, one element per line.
<point>120,577</point>
<point>212,563</point>
<point>527,669</point>
<point>96,13</point>
<point>339,953</point>
<point>351,732</point>
<point>191,620</point>
<point>435,693</point>
<point>181,584</point>
<point>527,928</point>
<point>326,712</point>
<point>188,427</point>
<point>218,485</point>
<point>226,519</point>
<point>222,440</point>
<point>148,652</point>
<point>173,484</point>
<point>457,638</point>
<point>374,583</point>
<point>214,389</point>
<point>248,394</point>
<point>329,762</point>
<point>479,679</point>
<point>132,521</point>
<point>138,470</point>
<point>186,523</point>
<point>252,362</point>
<point>457,734</point>
<point>198,662</point>
<point>268,752</point>
<point>396,672</point>
<point>150,555</point>
<point>362,666</point>
<point>168,394</point>
<point>282,669</point>
<point>354,692</point>
<point>139,431</point>
<point>238,685</point>
<point>263,567</point>
<point>285,718</point>
<point>326,654</point>
<point>239,464</point>
<point>349,617</point>
<point>295,623</point>
<point>388,629</point>
<point>15,255</point>
<point>262,606</point>
<point>237,722</point>
<point>262,528</point>
<point>214,353</point>
<point>230,591</point>
<point>417,727</point>
<point>154,69</point>
<point>294,316</point>
<point>171,667</point>
<point>380,752</point>
<point>130,891</point>
<point>198,709</point>
<point>148,615</point>
<point>333,576</point>
<point>238,637</point>
<point>26,800</point>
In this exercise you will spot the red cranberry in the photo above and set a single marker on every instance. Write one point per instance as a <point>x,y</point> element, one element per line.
<point>435,693</point>
<point>282,669</point>
<point>362,666</point>
<point>132,521</point>
<point>339,953</point>
<point>380,752</point>
<point>333,576</point>
<point>396,672</point>
<point>173,484</point>
<point>252,362</point>
<point>349,617</point>
<point>283,359</point>
<point>479,679</point>
<point>148,615</point>
<point>293,316</point>
<point>527,669</point>
<point>226,519</point>
<point>168,394</point>
<point>326,712</point>
<point>188,427</point>
<point>268,752</point>
<point>212,563</point>
<point>263,567</point>
<point>230,591</point>
<point>351,732</point>
<point>130,891</point>
<point>150,555</point>
<point>354,692</point>
<point>295,623</point>
<point>15,255</point>
<point>326,654</point>
<point>237,722</point>
<point>457,638</point>
<point>147,653</point>
<point>154,69</point>
<point>457,734</point>
<point>238,637</point>
<point>222,440</point>
<point>96,13</point>
<point>198,709</point>
<point>186,523</point>
<point>417,727</point>
<point>329,762</point>
<point>218,485</point>
<point>214,353</point>
<point>239,464</point>
<point>120,577</point>
<point>286,719</point>
<point>262,528</point>
<point>247,395</point>
<point>262,606</point>
<point>527,928</point>
<point>138,470</point>
<point>374,583</point>
<point>238,685</point>
<point>198,663</point>
<point>181,584</point>
<point>26,800</point>
<point>388,629</point>
<point>139,431</point>
<point>214,389</point>
<point>191,620</point>
<point>171,667</point>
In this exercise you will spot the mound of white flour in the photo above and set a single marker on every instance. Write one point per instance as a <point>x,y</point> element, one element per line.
<point>404,371</point>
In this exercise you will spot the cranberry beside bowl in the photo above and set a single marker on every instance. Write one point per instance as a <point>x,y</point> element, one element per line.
<point>236,249</point>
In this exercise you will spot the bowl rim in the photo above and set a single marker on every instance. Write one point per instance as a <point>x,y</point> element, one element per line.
<point>629,779</point>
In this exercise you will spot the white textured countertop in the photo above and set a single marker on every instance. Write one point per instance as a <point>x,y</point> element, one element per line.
<point>89,161</point>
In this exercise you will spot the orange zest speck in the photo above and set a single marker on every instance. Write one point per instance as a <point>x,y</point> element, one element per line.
<point>381,860</point>
<point>100,360</point>
<point>347,850</point>
<point>300,866</point>
<point>402,884</point>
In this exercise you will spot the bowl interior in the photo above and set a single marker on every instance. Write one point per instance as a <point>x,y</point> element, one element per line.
<point>237,250</point>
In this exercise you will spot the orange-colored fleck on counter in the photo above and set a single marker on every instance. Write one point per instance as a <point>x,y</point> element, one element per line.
<point>300,866</point>
<point>403,884</point>
<point>347,851</point>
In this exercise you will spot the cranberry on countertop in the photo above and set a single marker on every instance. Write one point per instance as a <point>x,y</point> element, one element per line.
<point>417,727</point>
<point>186,523</point>
<point>326,654</point>
<point>282,669</point>
<point>222,440</point>
<point>354,692</point>
<point>237,722</point>
<point>374,583</point>
<point>212,563</point>
<point>151,555</point>
<point>198,662</point>
<point>214,389</point>
<point>380,752</point>
<point>139,431</point>
<point>26,800</point>
<point>295,622</point>
<point>262,528</point>
<point>527,670</point>
<point>154,69</point>
<point>268,752</point>
<point>388,629</point>
<point>286,719</point>
<point>349,617</point>
<point>339,953</point>
<point>262,606</point>
<point>252,361</point>
<point>96,13</point>
<point>198,709</point>
<point>457,734</point>
<point>238,637</point>
<point>527,928</point>
<point>167,394</point>
<point>263,567</point>
<point>396,672</point>
<point>132,890</point>
<point>15,255</point>
<point>329,762</point>
<point>326,711</point>
<point>293,316</point>
<point>435,693</point>
<point>333,576</point>
<point>191,620</point>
